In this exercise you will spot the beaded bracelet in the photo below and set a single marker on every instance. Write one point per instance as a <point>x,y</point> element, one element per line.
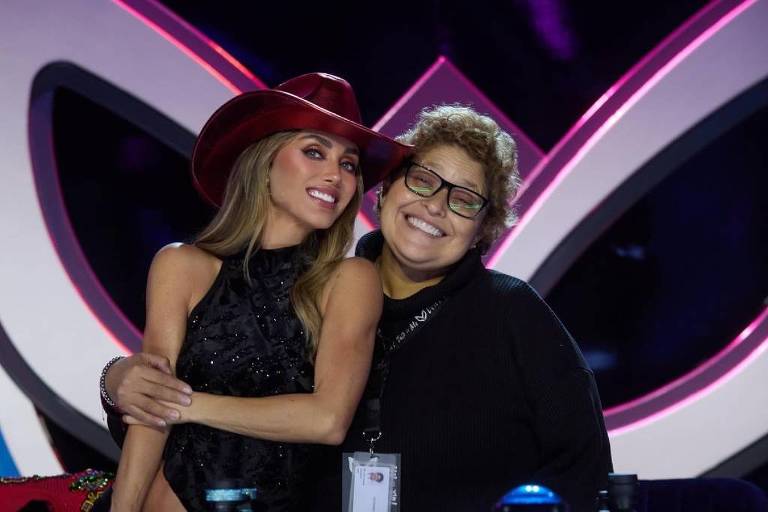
<point>103,382</point>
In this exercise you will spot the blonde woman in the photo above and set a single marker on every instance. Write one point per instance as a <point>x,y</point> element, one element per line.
<point>262,317</point>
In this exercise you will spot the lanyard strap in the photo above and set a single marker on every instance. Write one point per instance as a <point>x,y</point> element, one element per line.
<point>386,346</point>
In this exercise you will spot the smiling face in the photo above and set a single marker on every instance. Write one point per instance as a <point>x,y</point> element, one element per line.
<point>422,233</point>
<point>311,181</point>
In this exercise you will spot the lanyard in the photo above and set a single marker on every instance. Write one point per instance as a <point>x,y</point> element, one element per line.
<point>386,346</point>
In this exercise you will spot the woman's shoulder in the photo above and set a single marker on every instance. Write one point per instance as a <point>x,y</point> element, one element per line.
<point>356,272</point>
<point>509,286</point>
<point>358,267</point>
<point>511,293</point>
<point>356,276</point>
<point>185,261</point>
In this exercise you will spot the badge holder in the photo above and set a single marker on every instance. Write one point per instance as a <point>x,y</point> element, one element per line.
<point>371,481</point>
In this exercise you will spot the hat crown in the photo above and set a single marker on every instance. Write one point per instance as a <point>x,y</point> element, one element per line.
<point>326,91</point>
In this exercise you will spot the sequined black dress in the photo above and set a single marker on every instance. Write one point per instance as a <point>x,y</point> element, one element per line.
<point>243,340</point>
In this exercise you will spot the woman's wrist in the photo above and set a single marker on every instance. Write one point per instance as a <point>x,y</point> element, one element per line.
<point>192,412</point>
<point>122,501</point>
<point>105,396</point>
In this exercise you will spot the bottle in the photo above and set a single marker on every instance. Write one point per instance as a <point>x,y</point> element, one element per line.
<point>622,492</point>
<point>531,498</point>
<point>603,504</point>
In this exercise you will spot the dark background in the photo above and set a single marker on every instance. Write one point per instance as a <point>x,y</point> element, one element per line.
<point>670,283</point>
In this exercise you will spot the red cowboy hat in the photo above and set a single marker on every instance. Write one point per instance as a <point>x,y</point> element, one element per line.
<point>315,101</point>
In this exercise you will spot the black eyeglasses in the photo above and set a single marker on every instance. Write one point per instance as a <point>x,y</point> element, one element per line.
<point>425,182</point>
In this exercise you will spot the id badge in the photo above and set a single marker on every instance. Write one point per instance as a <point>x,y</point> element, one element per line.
<point>371,483</point>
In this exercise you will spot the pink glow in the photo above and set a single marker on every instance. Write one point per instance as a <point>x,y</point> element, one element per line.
<point>623,82</point>
<point>495,112</point>
<point>188,52</point>
<point>703,368</point>
<point>651,418</point>
<point>750,328</point>
<point>202,37</point>
<point>235,63</point>
<point>579,125</point>
<point>444,62</point>
<point>92,276</point>
<point>366,221</point>
<point>192,33</point>
<point>392,112</point>
<point>579,154</point>
<point>105,296</point>
<point>387,117</point>
<point>618,114</point>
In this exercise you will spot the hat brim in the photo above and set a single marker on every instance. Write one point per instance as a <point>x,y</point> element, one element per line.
<point>254,115</point>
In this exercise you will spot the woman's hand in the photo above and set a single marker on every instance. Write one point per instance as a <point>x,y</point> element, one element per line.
<point>180,414</point>
<point>145,390</point>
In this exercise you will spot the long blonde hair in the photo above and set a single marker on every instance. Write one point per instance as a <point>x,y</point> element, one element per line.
<point>242,218</point>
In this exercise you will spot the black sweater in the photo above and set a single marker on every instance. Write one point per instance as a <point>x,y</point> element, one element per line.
<point>490,393</point>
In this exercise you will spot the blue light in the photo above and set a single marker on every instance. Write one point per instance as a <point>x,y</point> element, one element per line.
<point>7,466</point>
<point>228,495</point>
<point>530,494</point>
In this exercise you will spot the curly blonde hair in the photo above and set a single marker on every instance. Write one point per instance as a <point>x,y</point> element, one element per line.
<point>483,140</point>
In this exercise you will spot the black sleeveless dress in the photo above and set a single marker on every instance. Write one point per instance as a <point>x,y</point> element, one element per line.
<point>243,339</point>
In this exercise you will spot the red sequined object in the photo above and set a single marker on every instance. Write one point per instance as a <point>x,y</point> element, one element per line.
<point>76,492</point>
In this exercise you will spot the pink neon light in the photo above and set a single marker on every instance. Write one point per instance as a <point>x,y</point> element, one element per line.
<point>205,39</point>
<point>440,62</point>
<point>117,341</point>
<point>620,84</point>
<point>393,110</point>
<point>405,98</point>
<point>702,368</point>
<point>87,268</point>
<point>213,72</point>
<point>651,418</point>
<point>618,114</point>
<point>366,222</point>
<point>498,114</point>
<point>187,51</point>
<point>620,111</point>
<point>235,63</point>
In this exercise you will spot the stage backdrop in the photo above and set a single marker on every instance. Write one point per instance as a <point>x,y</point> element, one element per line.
<point>137,60</point>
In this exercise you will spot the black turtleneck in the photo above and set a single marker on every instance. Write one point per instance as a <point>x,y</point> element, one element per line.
<point>489,393</point>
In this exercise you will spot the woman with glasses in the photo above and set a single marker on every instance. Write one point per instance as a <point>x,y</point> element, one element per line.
<point>478,384</point>
<point>475,382</point>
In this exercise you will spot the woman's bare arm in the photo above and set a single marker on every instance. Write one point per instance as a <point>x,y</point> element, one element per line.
<point>350,316</point>
<point>176,274</point>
